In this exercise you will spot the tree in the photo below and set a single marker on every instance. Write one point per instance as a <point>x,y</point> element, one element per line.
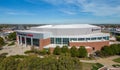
<point>57,50</point>
<point>1,42</point>
<point>118,47</point>
<point>33,62</point>
<point>82,52</point>
<point>74,51</point>
<point>114,49</point>
<point>118,38</point>
<point>106,51</point>
<point>68,63</point>
<point>12,36</point>
<point>9,63</point>
<point>30,63</point>
<point>64,49</point>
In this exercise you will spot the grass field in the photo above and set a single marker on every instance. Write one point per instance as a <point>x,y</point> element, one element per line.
<point>86,66</point>
<point>117,60</point>
<point>90,66</point>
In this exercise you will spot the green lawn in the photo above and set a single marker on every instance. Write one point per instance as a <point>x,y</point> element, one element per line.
<point>90,66</point>
<point>117,60</point>
<point>86,66</point>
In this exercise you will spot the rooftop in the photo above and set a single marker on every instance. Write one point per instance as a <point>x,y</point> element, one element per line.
<point>30,31</point>
<point>67,26</point>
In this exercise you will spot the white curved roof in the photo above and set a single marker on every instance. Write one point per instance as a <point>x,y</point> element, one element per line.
<point>67,26</point>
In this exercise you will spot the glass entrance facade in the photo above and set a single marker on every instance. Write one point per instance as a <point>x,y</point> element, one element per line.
<point>60,41</point>
<point>35,42</point>
<point>28,41</point>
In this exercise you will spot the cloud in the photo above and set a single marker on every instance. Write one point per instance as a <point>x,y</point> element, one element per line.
<point>19,13</point>
<point>33,1</point>
<point>95,7</point>
<point>68,12</point>
<point>15,12</point>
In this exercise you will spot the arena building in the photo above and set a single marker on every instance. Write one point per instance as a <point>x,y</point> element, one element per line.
<point>50,36</point>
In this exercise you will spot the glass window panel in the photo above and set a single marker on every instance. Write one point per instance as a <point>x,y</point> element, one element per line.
<point>73,39</point>
<point>99,38</point>
<point>36,42</point>
<point>104,38</point>
<point>94,38</point>
<point>28,41</point>
<point>23,40</point>
<point>52,40</point>
<point>81,39</point>
<point>65,40</point>
<point>58,40</point>
<point>107,37</point>
<point>87,38</point>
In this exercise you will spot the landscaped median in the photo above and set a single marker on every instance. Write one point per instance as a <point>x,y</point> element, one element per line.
<point>97,66</point>
<point>117,60</point>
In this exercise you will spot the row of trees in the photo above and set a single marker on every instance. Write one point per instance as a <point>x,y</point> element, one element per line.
<point>113,49</point>
<point>36,63</point>
<point>73,51</point>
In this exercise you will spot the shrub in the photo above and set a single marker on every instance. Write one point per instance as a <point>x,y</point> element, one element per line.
<point>9,63</point>
<point>12,43</point>
<point>43,52</point>
<point>82,52</point>
<point>12,36</point>
<point>116,65</point>
<point>57,50</point>
<point>118,38</point>
<point>18,56</point>
<point>39,52</point>
<point>117,60</point>
<point>1,42</point>
<point>97,66</point>
<point>65,49</point>
<point>111,50</point>
<point>3,54</point>
<point>74,51</point>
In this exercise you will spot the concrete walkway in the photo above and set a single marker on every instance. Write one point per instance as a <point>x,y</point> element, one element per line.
<point>107,62</point>
<point>14,50</point>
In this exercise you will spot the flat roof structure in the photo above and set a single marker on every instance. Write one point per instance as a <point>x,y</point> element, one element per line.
<point>69,34</point>
<point>67,26</point>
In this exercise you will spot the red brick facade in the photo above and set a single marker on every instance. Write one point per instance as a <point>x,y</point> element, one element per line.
<point>89,50</point>
<point>44,42</point>
<point>95,45</point>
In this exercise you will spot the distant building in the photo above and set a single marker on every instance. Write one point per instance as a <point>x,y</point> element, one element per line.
<point>50,36</point>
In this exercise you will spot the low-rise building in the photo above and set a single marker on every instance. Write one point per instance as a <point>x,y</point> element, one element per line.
<point>47,36</point>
